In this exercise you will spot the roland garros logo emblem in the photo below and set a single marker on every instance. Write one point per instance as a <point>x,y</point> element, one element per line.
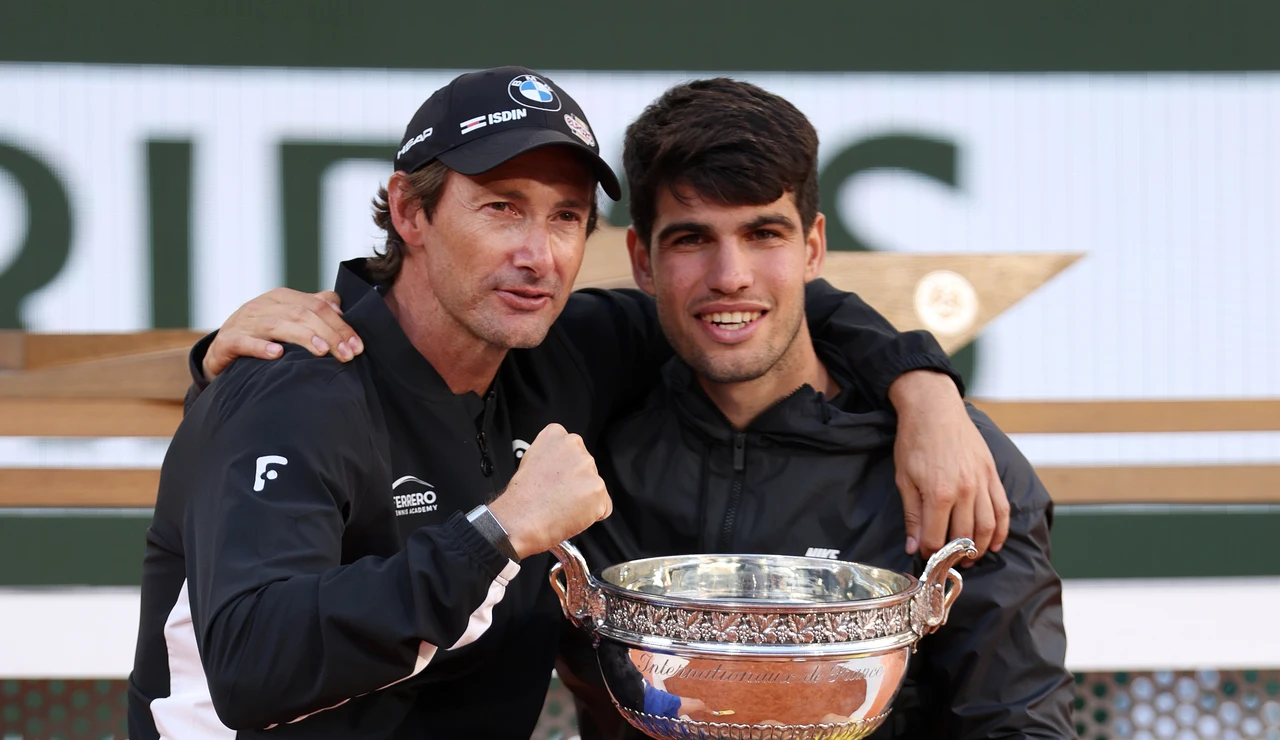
<point>580,129</point>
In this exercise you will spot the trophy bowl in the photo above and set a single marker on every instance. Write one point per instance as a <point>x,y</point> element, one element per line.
<point>755,646</point>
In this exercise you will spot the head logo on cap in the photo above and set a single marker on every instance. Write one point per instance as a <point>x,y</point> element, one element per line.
<point>532,91</point>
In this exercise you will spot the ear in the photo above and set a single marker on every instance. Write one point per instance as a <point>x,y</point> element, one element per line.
<point>815,248</point>
<point>641,261</point>
<point>406,213</point>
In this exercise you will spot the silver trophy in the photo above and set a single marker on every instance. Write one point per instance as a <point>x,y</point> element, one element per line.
<point>755,646</point>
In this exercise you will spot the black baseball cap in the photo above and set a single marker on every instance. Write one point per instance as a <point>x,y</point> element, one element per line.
<point>483,119</point>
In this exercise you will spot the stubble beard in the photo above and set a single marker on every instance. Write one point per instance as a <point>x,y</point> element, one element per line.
<point>478,315</point>
<point>719,366</point>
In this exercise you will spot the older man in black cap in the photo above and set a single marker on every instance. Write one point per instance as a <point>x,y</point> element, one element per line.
<point>347,549</point>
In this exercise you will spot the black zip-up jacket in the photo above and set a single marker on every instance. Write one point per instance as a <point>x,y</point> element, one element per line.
<point>309,572</point>
<point>811,476</point>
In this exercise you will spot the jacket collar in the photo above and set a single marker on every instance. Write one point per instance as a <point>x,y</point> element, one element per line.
<point>803,418</point>
<point>365,309</point>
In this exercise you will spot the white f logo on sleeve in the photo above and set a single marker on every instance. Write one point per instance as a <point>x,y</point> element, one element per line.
<point>262,475</point>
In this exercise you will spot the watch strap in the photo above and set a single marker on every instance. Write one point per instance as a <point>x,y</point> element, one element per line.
<point>492,530</point>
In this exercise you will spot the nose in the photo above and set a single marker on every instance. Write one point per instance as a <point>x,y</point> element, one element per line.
<point>730,269</point>
<point>535,253</point>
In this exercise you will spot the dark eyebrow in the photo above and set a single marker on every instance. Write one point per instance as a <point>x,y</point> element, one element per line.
<point>771,219</point>
<point>690,226</point>
<point>693,227</point>
<point>573,203</point>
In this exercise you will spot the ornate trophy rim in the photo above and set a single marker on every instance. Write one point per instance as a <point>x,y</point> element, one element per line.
<point>761,605</point>
<point>752,649</point>
<point>631,615</point>
<point>632,620</point>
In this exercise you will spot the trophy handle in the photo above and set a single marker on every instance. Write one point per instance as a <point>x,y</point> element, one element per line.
<point>942,583</point>
<point>580,597</point>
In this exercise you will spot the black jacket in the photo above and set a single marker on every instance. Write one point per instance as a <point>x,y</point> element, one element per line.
<point>811,475</point>
<point>309,569</point>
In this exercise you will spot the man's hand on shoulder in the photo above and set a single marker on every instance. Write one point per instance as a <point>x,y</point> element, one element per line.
<point>945,472</point>
<point>311,320</point>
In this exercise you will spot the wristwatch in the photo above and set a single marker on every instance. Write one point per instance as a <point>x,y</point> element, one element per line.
<point>492,530</point>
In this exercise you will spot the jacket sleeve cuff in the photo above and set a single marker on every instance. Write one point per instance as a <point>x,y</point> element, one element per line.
<point>195,366</point>
<point>480,550</point>
<point>195,360</point>
<point>910,350</point>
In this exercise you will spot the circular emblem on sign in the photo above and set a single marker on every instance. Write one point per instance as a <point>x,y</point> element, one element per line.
<point>946,302</point>
<point>532,91</point>
<point>580,129</point>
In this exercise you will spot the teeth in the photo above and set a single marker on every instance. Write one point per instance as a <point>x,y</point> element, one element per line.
<point>731,319</point>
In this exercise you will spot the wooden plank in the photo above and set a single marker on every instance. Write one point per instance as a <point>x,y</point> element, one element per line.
<point>1101,417</point>
<point>1208,484</point>
<point>62,417</point>
<point>51,350</point>
<point>160,375</point>
<point>1177,484</point>
<point>13,345</point>
<point>78,487</point>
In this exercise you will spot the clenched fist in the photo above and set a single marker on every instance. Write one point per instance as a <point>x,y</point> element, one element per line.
<point>556,494</point>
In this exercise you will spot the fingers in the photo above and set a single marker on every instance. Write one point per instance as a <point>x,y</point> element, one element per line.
<point>911,506</point>
<point>342,336</point>
<point>263,349</point>
<point>304,326</point>
<point>313,321</point>
<point>937,514</point>
<point>1000,505</point>
<point>984,523</point>
<point>332,298</point>
<point>226,348</point>
<point>548,433</point>
<point>330,334</point>
<point>294,325</point>
<point>215,361</point>
<point>962,517</point>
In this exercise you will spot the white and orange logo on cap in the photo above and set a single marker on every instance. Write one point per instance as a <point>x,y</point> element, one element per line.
<point>580,129</point>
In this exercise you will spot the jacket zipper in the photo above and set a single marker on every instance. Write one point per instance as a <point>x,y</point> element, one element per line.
<point>482,440</point>
<point>735,492</point>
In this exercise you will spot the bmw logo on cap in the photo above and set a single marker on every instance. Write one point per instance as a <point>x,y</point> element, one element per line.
<point>532,91</point>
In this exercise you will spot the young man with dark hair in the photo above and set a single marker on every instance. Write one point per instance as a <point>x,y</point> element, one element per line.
<point>347,550</point>
<point>761,439</point>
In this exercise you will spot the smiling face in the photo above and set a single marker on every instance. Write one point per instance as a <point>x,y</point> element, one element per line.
<point>502,249</point>
<point>729,281</point>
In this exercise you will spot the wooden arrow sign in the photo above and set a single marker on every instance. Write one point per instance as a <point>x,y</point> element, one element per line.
<point>952,295</point>
<point>158,375</point>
